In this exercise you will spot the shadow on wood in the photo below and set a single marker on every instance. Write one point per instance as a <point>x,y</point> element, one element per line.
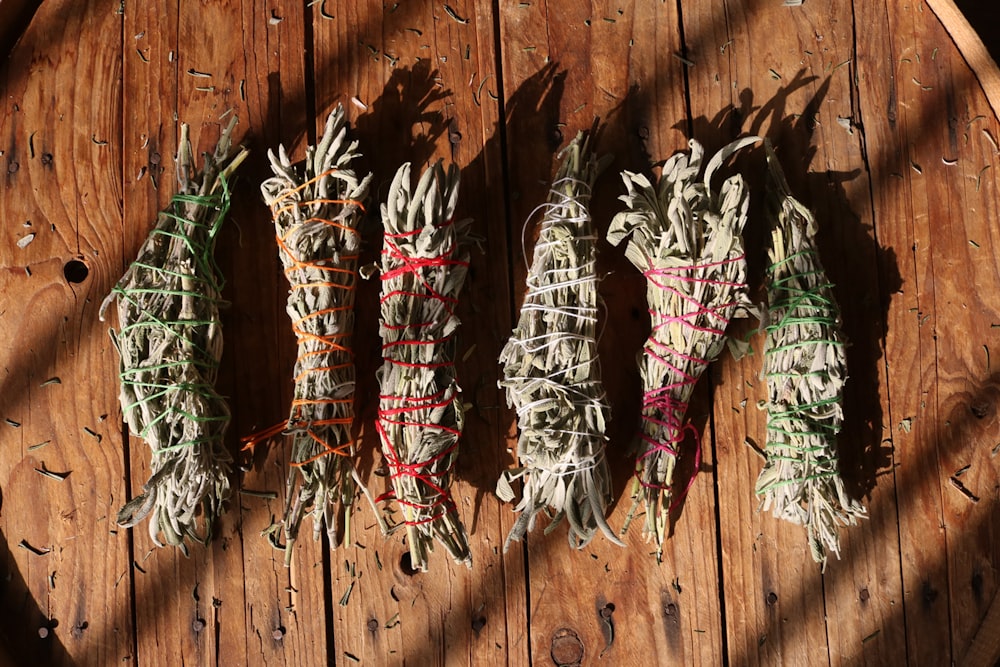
<point>26,635</point>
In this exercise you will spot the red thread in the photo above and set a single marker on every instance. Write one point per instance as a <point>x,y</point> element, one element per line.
<point>398,468</point>
<point>411,413</point>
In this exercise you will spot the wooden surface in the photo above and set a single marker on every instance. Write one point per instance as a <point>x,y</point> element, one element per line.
<point>884,130</point>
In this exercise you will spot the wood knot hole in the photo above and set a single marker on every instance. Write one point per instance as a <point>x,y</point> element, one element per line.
<point>772,598</point>
<point>75,271</point>
<point>864,595</point>
<point>567,649</point>
<point>372,625</point>
<point>478,623</point>
<point>77,631</point>
<point>980,410</point>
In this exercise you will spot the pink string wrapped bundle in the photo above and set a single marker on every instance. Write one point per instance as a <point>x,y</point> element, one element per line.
<point>686,240</point>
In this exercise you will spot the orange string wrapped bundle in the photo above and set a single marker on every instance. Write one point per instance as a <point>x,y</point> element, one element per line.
<point>316,212</point>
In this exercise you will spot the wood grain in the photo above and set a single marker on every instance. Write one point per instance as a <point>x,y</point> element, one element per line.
<point>886,130</point>
<point>60,535</point>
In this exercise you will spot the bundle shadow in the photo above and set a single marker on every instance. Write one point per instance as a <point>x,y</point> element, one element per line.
<point>531,122</point>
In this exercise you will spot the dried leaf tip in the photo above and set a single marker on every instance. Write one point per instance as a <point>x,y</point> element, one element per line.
<point>425,258</point>
<point>316,207</point>
<point>170,344</point>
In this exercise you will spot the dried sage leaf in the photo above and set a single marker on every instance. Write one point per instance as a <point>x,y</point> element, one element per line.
<point>170,343</point>
<point>805,366</point>
<point>316,208</point>
<point>686,240</point>
<point>551,371</point>
<point>425,258</point>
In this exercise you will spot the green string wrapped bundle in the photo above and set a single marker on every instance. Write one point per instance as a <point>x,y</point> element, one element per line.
<point>551,370</point>
<point>170,343</point>
<point>806,368</point>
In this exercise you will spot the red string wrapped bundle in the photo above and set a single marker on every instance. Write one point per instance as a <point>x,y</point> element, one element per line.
<point>420,417</point>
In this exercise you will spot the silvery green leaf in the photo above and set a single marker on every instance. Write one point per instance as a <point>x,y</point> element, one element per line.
<point>320,302</point>
<point>421,411</point>
<point>686,239</point>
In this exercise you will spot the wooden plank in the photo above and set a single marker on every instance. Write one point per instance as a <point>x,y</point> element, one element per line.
<point>286,608</point>
<point>862,590</point>
<point>795,86</point>
<point>954,117</point>
<point>409,76</point>
<point>937,335</point>
<point>60,255</point>
<point>612,60</point>
<point>198,603</point>
<point>773,590</point>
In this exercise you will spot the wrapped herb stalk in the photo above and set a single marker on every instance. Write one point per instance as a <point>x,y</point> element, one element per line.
<point>805,367</point>
<point>425,258</point>
<point>170,343</point>
<point>316,208</point>
<point>686,240</point>
<point>551,371</point>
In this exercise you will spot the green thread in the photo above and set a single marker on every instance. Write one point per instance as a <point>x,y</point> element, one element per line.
<point>161,283</point>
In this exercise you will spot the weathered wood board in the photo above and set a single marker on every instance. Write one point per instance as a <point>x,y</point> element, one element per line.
<point>883,130</point>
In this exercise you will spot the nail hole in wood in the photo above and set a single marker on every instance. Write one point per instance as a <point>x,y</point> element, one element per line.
<point>566,649</point>
<point>406,565</point>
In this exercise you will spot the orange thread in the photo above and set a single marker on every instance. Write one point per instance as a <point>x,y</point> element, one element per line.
<point>254,439</point>
<point>327,343</point>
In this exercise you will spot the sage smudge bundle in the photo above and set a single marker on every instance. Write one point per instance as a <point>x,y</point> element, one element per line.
<point>170,342</point>
<point>316,209</point>
<point>551,370</point>
<point>806,368</point>
<point>425,258</point>
<point>686,239</point>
